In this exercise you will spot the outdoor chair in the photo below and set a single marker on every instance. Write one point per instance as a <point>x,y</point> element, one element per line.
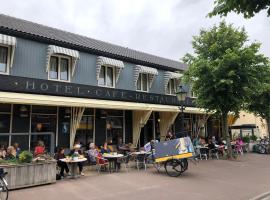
<point>239,149</point>
<point>140,160</point>
<point>125,161</point>
<point>213,153</point>
<point>203,153</point>
<point>102,164</point>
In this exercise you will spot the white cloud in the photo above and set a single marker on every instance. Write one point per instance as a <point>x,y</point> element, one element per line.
<point>163,28</point>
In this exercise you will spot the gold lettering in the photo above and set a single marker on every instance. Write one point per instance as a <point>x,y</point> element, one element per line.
<point>30,86</point>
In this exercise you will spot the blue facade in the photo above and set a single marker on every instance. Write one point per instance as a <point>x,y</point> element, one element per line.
<point>30,61</point>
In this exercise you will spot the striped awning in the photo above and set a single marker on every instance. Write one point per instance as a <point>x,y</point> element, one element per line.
<point>10,41</point>
<point>170,75</point>
<point>104,61</point>
<point>61,50</point>
<point>145,70</point>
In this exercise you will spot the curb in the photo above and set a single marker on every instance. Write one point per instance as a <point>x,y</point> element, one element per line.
<point>261,196</point>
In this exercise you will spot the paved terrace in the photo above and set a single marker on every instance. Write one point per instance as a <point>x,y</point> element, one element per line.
<point>212,179</point>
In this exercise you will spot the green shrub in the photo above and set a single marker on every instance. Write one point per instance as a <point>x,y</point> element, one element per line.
<point>253,137</point>
<point>26,157</point>
<point>12,161</point>
<point>246,139</point>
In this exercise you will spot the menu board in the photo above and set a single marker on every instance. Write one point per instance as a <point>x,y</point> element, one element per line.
<point>174,147</point>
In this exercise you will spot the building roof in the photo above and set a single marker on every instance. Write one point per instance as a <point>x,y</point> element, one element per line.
<point>29,30</point>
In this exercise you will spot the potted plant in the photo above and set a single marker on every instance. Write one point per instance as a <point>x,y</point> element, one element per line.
<point>26,157</point>
<point>253,139</point>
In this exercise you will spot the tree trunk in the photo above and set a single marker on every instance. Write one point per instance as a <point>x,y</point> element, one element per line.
<point>268,126</point>
<point>225,131</point>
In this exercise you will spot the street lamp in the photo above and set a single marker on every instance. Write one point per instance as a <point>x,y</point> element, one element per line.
<point>181,96</point>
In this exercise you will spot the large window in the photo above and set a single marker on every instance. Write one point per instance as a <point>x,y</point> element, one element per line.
<point>171,87</point>
<point>3,60</point>
<point>142,83</point>
<point>106,76</point>
<point>59,68</point>
<point>85,132</point>
<point>20,122</point>
<point>114,126</point>
<point>5,113</point>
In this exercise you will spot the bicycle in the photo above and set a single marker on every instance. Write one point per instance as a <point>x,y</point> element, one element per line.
<point>3,185</point>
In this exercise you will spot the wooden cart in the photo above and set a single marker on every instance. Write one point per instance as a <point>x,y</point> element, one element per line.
<point>173,155</point>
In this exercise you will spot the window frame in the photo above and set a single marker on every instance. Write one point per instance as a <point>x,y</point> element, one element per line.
<point>8,59</point>
<point>141,82</point>
<point>170,87</point>
<point>106,74</point>
<point>59,57</point>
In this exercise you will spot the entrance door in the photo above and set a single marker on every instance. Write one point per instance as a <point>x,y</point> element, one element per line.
<point>147,133</point>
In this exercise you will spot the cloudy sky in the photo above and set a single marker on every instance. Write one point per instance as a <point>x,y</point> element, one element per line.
<point>163,28</point>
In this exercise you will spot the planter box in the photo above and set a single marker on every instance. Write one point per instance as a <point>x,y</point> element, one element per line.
<point>251,145</point>
<point>27,175</point>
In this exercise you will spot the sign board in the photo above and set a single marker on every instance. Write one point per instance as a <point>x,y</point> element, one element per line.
<point>47,87</point>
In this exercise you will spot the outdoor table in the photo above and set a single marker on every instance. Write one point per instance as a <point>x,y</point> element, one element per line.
<point>73,165</point>
<point>112,158</point>
<point>124,149</point>
<point>138,152</point>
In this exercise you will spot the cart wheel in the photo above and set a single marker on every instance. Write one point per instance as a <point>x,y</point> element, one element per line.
<point>157,166</point>
<point>173,167</point>
<point>184,163</point>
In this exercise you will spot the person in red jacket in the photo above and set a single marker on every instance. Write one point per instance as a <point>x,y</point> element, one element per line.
<point>39,149</point>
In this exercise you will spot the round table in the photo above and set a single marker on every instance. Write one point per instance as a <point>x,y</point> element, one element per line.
<point>112,158</point>
<point>139,152</point>
<point>73,165</point>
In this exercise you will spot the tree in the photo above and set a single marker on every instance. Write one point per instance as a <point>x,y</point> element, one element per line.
<point>259,101</point>
<point>247,7</point>
<point>223,71</point>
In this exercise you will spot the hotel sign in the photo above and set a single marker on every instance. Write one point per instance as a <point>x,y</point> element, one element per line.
<point>47,87</point>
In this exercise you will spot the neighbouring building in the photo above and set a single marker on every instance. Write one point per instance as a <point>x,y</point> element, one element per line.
<point>60,87</point>
<point>248,124</point>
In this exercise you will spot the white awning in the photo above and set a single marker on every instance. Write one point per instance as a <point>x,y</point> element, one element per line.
<point>104,61</point>
<point>61,50</point>
<point>9,41</point>
<point>170,75</point>
<point>37,99</point>
<point>146,70</point>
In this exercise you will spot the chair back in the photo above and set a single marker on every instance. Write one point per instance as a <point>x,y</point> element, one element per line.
<point>203,150</point>
<point>141,157</point>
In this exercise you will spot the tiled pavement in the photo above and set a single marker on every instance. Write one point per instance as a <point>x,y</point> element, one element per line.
<point>212,179</point>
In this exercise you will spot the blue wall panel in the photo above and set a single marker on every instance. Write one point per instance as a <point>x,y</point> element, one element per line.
<point>30,61</point>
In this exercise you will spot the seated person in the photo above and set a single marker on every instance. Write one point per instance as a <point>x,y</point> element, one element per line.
<point>239,141</point>
<point>220,142</point>
<point>92,153</point>
<point>211,145</point>
<point>3,152</point>
<point>196,141</point>
<point>11,153</point>
<point>169,136</point>
<point>202,142</point>
<point>147,147</point>
<point>105,149</point>
<point>39,149</point>
<point>121,147</point>
<point>17,149</point>
<point>76,150</point>
<point>101,159</point>
<point>63,165</point>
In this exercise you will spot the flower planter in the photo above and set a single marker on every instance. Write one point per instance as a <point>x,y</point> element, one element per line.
<point>33,174</point>
<point>251,145</point>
